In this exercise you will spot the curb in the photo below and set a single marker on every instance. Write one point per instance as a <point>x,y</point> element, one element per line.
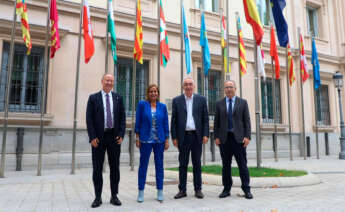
<point>255,182</point>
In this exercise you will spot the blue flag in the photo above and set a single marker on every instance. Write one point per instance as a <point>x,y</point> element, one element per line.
<point>280,22</point>
<point>316,66</point>
<point>187,46</point>
<point>206,57</point>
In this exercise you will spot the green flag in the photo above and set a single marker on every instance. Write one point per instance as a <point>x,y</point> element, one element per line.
<point>111,30</point>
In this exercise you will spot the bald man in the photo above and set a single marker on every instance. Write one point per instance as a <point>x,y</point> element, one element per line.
<point>106,123</point>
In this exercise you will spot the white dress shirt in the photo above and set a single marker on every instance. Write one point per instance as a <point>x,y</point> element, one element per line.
<point>105,107</point>
<point>232,103</point>
<point>190,125</point>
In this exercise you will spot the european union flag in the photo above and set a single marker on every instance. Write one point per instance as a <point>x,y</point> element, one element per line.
<point>204,44</point>
<point>316,66</point>
<point>280,22</point>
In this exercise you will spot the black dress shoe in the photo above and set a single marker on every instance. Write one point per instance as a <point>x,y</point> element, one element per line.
<point>224,194</point>
<point>115,201</point>
<point>198,194</point>
<point>96,203</point>
<point>248,195</point>
<point>180,195</point>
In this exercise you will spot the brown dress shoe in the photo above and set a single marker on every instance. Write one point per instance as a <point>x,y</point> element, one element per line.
<point>180,195</point>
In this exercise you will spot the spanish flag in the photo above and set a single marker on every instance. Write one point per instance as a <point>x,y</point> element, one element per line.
<point>21,11</point>
<point>138,43</point>
<point>253,18</point>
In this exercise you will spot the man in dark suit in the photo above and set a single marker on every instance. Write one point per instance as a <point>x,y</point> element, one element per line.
<point>106,123</point>
<point>189,129</point>
<point>232,133</point>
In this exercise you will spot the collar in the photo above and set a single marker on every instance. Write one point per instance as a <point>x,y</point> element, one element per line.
<point>233,99</point>
<point>104,93</point>
<point>188,98</point>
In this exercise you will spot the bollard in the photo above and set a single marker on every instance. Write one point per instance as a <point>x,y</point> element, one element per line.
<point>212,147</point>
<point>308,146</point>
<point>20,148</point>
<point>130,146</point>
<point>326,143</point>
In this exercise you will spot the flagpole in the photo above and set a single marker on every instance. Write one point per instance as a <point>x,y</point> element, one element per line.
<point>204,80</point>
<point>181,47</point>
<point>302,97</point>
<point>315,103</point>
<point>257,109</point>
<point>274,107</point>
<point>43,93</point>
<point>107,41</point>
<point>131,156</point>
<point>158,45</point>
<point>10,67</point>
<point>76,90</point>
<point>222,50</point>
<point>239,54</point>
<point>288,98</point>
<point>227,39</point>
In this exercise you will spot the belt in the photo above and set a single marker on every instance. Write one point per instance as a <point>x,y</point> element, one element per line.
<point>190,132</point>
<point>108,130</point>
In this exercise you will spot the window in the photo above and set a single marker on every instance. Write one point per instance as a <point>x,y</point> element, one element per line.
<point>123,84</point>
<point>26,79</point>
<point>323,116</point>
<point>264,11</point>
<point>267,101</point>
<point>312,15</point>
<point>212,89</point>
<point>210,5</point>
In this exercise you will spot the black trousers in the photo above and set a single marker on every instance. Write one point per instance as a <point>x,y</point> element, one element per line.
<point>113,150</point>
<point>190,145</point>
<point>227,150</point>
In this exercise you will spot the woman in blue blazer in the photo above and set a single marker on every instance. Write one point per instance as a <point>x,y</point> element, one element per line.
<point>152,132</point>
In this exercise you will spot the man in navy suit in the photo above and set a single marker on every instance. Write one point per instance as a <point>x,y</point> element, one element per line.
<point>106,123</point>
<point>232,132</point>
<point>189,130</point>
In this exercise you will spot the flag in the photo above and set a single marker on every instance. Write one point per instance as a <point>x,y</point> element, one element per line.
<point>316,66</point>
<point>21,11</point>
<point>253,18</point>
<point>55,38</point>
<point>274,53</point>
<point>280,22</point>
<point>224,47</point>
<point>242,51</point>
<point>88,34</point>
<point>138,43</point>
<point>291,71</point>
<point>111,30</point>
<point>304,63</point>
<point>187,45</point>
<point>261,62</point>
<point>164,44</point>
<point>206,57</point>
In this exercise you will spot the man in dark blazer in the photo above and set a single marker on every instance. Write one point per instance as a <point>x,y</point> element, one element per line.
<point>106,123</point>
<point>189,130</point>
<point>232,133</point>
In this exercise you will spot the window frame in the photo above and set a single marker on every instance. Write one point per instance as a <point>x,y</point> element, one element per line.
<point>315,20</point>
<point>265,109</point>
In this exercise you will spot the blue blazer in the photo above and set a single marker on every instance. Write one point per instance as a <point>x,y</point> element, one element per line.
<point>143,122</point>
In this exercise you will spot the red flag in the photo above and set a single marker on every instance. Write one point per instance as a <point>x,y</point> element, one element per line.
<point>55,38</point>
<point>274,53</point>
<point>88,34</point>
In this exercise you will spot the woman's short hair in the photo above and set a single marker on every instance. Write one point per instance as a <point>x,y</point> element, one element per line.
<point>147,98</point>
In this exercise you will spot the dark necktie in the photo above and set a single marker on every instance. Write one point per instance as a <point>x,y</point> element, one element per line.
<point>109,119</point>
<point>230,115</point>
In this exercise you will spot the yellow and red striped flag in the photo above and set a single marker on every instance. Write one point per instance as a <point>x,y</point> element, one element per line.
<point>242,51</point>
<point>138,43</point>
<point>291,71</point>
<point>21,11</point>
<point>253,18</point>
<point>224,47</point>
<point>304,63</point>
<point>55,38</point>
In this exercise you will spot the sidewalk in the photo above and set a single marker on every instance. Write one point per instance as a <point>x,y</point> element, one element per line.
<point>57,190</point>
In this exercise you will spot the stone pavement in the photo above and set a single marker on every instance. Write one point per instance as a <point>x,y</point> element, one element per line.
<point>57,190</point>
